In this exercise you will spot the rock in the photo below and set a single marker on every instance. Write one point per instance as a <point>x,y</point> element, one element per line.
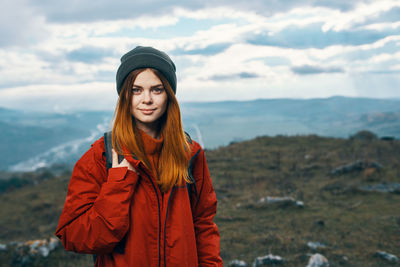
<point>32,248</point>
<point>44,247</point>
<point>268,259</point>
<point>25,253</point>
<point>320,222</point>
<point>3,247</point>
<point>358,165</point>
<point>237,263</point>
<point>53,243</point>
<point>364,135</point>
<point>15,243</point>
<point>43,251</point>
<point>315,245</point>
<point>280,200</point>
<point>383,188</point>
<point>375,165</point>
<point>318,260</point>
<point>38,247</point>
<point>387,256</point>
<point>387,138</point>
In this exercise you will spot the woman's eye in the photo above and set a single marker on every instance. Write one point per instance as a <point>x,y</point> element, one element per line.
<point>158,90</point>
<point>136,91</point>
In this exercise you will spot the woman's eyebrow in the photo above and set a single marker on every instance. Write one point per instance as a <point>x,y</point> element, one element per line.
<point>157,85</point>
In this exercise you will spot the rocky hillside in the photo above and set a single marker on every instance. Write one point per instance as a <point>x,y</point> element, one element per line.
<point>281,200</point>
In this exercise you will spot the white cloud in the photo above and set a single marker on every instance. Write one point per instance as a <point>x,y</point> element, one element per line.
<point>61,97</point>
<point>346,20</point>
<point>42,69</point>
<point>382,26</point>
<point>86,11</point>
<point>19,24</point>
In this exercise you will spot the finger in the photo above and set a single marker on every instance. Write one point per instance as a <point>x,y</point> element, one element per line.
<point>130,166</point>
<point>114,158</point>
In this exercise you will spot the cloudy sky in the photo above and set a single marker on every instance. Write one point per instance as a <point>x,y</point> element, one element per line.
<point>63,55</point>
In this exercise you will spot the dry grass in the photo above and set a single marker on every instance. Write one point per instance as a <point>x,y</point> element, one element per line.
<point>353,224</point>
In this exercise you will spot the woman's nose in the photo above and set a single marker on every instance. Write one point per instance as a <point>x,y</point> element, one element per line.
<point>147,97</point>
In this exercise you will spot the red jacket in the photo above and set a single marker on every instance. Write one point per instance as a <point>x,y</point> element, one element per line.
<point>126,221</point>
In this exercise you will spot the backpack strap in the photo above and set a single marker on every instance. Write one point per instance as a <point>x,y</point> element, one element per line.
<point>188,138</point>
<point>191,187</point>
<point>108,147</point>
<point>120,247</point>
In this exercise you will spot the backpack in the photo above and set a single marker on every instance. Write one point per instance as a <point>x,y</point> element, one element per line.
<point>108,151</point>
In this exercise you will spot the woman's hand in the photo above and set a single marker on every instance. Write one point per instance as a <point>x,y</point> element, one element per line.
<point>124,162</point>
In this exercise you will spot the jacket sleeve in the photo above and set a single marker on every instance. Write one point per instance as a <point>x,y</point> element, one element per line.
<point>95,216</point>
<point>207,234</point>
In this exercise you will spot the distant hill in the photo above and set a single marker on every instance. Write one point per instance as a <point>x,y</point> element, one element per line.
<point>31,140</point>
<point>340,184</point>
<point>34,140</point>
<point>223,122</point>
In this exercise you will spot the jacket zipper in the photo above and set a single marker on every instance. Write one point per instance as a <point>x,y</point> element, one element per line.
<point>165,226</point>
<point>166,215</point>
<point>159,220</point>
<point>172,190</point>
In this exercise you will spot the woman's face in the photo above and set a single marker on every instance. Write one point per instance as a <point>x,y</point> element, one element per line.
<point>149,99</point>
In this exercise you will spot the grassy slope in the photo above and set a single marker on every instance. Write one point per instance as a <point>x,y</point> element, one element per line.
<point>352,223</point>
<point>355,224</point>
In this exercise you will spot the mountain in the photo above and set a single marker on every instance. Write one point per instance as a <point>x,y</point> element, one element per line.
<point>31,140</point>
<point>222,122</point>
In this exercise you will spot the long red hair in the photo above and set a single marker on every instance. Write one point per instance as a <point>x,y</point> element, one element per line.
<point>175,152</point>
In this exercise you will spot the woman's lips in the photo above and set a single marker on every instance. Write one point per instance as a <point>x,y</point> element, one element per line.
<point>147,111</point>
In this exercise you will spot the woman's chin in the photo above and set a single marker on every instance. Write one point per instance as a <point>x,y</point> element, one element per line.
<point>148,123</point>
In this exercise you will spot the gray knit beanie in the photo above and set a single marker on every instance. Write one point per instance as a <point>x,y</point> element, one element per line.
<point>146,57</point>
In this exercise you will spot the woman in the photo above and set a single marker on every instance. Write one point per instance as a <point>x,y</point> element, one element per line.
<point>138,212</point>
